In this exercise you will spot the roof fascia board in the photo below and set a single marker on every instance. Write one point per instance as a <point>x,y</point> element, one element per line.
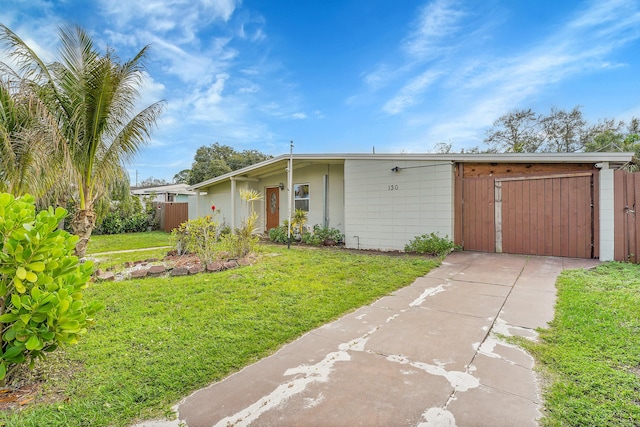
<point>593,157</point>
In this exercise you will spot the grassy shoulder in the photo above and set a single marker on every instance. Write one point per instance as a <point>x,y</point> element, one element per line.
<point>120,242</point>
<point>160,339</point>
<point>591,352</point>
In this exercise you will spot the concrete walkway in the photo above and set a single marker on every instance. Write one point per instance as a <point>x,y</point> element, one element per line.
<point>425,356</point>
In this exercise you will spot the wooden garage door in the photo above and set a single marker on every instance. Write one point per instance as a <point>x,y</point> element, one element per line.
<point>549,215</point>
<point>478,216</point>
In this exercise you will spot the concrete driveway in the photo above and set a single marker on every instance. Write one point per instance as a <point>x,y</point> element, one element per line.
<point>427,355</point>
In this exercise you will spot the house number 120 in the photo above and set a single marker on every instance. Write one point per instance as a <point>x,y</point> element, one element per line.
<point>392,187</point>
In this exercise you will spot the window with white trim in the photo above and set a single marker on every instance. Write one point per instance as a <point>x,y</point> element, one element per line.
<point>301,196</point>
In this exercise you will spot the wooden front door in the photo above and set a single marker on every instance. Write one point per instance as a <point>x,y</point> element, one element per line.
<point>273,207</point>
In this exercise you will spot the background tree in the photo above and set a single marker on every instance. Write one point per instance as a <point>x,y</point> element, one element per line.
<point>216,159</point>
<point>564,131</point>
<point>182,177</point>
<point>443,147</point>
<point>560,131</point>
<point>516,132</point>
<point>152,182</point>
<point>611,138</point>
<point>92,97</point>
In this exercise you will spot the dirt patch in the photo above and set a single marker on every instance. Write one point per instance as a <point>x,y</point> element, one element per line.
<point>42,384</point>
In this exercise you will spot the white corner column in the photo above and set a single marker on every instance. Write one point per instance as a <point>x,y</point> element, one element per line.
<point>233,203</point>
<point>197,204</point>
<point>606,215</point>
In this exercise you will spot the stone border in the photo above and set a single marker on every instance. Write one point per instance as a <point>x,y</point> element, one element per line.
<point>140,269</point>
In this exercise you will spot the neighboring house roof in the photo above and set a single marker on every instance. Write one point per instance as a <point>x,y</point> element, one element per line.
<point>163,189</point>
<point>275,163</point>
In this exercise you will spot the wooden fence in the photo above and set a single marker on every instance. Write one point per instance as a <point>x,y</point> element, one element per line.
<point>626,221</point>
<point>171,215</point>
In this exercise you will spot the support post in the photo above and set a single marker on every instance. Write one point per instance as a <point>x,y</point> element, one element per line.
<point>290,182</point>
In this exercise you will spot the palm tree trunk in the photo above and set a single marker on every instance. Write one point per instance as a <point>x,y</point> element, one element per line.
<point>82,224</point>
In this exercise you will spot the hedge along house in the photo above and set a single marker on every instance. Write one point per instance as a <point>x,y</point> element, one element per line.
<point>539,204</point>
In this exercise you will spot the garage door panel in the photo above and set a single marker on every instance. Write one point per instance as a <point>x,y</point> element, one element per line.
<point>550,216</point>
<point>478,226</point>
<point>538,215</point>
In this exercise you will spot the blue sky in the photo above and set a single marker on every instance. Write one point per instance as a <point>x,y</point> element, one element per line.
<point>344,76</point>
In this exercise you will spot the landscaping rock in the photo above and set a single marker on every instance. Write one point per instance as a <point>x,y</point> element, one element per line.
<point>231,264</point>
<point>215,266</point>
<point>244,261</point>
<point>195,269</point>
<point>138,274</point>
<point>179,271</point>
<point>156,270</point>
<point>107,276</point>
<point>151,260</point>
<point>129,264</point>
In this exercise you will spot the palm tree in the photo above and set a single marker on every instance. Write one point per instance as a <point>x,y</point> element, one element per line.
<point>92,97</point>
<point>26,140</point>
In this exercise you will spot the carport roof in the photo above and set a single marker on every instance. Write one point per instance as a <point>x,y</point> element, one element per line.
<point>272,165</point>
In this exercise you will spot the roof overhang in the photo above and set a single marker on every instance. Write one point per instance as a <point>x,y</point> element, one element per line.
<point>279,164</point>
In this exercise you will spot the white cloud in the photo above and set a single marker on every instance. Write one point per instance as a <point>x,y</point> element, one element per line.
<point>150,91</point>
<point>407,95</point>
<point>253,29</point>
<point>437,20</point>
<point>162,15</point>
<point>206,105</point>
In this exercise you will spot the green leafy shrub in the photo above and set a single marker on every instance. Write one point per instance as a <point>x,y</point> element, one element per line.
<point>111,224</point>
<point>137,223</point>
<point>326,234</point>
<point>278,234</point>
<point>311,239</point>
<point>41,283</point>
<point>132,217</point>
<point>200,236</point>
<point>323,236</point>
<point>431,244</point>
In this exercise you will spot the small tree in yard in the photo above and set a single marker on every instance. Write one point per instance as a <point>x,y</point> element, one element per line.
<point>41,283</point>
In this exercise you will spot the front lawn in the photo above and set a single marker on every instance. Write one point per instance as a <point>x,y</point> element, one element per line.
<point>119,242</point>
<point>591,353</point>
<point>115,261</point>
<point>159,339</point>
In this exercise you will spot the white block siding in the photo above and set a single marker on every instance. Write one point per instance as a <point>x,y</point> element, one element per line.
<point>385,209</point>
<point>606,215</point>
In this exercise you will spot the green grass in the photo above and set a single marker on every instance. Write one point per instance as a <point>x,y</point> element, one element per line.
<point>591,353</point>
<point>160,339</point>
<point>116,261</point>
<point>119,242</point>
